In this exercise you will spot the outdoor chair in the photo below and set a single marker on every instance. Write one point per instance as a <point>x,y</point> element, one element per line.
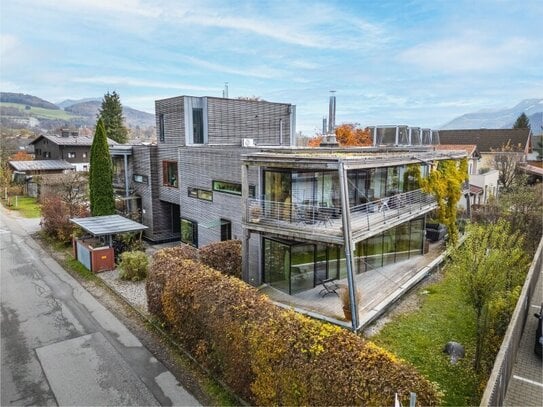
<point>328,287</point>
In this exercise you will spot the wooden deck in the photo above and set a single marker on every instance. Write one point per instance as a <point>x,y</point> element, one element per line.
<point>380,288</point>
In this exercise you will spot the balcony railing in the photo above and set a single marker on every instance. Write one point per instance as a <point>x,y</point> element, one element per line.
<point>327,220</point>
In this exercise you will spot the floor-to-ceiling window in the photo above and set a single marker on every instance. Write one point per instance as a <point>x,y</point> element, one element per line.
<point>276,264</point>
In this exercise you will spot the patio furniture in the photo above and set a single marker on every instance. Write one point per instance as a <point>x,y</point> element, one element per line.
<point>435,231</point>
<point>329,286</point>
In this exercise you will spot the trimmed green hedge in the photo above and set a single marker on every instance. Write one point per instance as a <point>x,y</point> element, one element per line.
<point>270,356</point>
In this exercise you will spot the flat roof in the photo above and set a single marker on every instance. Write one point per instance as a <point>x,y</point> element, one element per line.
<point>107,225</point>
<point>41,165</point>
<point>361,157</point>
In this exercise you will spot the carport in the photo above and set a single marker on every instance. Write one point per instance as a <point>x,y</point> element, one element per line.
<point>95,250</point>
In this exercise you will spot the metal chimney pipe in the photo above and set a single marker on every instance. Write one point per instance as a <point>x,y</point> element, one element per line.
<point>324,126</point>
<point>332,113</point>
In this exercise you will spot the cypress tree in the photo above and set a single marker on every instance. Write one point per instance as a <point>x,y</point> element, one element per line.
<point>102,201</point>
<point>111,114</point>
<point>522,122</point>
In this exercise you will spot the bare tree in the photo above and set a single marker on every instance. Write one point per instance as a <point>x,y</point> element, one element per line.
<point>506,160</point>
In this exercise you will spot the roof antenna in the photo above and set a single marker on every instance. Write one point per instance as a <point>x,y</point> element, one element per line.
<point>225,91</point>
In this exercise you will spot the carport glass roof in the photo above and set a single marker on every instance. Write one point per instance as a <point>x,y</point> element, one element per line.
<point>107,225</point>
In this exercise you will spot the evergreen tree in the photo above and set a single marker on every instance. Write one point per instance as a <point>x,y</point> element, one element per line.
<point>101,175</point>
<point>522,122</point>
<point>111,114</point>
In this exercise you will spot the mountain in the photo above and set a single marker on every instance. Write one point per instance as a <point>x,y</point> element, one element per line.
<point>27,100</point>
<point>503,118</point>
<point>132,117</point>
<point>70,102</point>
<point>21,111</point>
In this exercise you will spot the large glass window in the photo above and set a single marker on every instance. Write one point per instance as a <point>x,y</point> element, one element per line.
<point>302,269</point>
<point>402,242</point>
<point>226,230</point>
<point>417,234</point>
<point>276,264</point>
<point>161,127</point>
<point>169,173</point>
<point>228,187</point>
<point>198,125</point>
<point>389,246</point>
<point>189,232</point>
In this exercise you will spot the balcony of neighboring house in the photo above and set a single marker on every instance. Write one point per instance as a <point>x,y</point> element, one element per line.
<point>319,221</point>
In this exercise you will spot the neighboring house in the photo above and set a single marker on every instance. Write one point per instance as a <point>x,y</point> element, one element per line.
<point>41,167</point>
<point>68,145</point>
<point>27,172</point>
<point>489,141</point>
<point>481,184</point>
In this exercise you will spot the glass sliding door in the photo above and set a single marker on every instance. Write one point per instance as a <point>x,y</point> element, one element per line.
<point>276,264</point>
<point>402,241</point>
<point>277,195</point>
<point>302,267</point>
<point>417,235</point>
<point>389,246</point>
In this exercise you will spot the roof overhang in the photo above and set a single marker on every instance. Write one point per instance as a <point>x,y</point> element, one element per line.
<point>107,225</point>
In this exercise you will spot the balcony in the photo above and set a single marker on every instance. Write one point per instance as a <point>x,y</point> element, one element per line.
<point>322,223</point>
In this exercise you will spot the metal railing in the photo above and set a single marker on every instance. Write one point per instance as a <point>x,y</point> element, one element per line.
<point>496,386</point>
<point>314,216</point>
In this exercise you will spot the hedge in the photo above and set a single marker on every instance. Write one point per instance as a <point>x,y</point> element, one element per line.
<point>270,356</point>
<point>223,256</point>
<point>159,273</point>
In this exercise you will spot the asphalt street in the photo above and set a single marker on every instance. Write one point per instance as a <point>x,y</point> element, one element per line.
<point>60,346</point>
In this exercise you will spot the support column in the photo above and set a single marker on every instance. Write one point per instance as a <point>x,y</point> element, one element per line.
<point>246,234</point>
<point>126,189</point>
<point>348,243</point>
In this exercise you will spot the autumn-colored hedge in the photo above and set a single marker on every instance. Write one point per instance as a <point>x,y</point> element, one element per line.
<point>159,273</point>
<point>270,356</point>
<point>223,256</point>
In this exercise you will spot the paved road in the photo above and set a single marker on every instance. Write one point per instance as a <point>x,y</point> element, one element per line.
<point>62,347</point>
<point>526,385</point>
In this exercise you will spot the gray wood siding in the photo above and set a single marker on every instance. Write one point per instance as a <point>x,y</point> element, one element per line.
<point>198,168</point>
<point>230,120</point>
<point>174,120</point>
<point>167,153</point>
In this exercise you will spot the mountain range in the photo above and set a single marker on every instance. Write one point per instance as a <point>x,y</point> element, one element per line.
<point>502,118</point>
<point>22,110</point>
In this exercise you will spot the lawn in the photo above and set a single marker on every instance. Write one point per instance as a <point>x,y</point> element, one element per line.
<point>419,338</point>
<point>41,113</point>
<point>25,205</point>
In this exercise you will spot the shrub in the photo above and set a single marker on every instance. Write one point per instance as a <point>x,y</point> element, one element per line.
<point>223,256</point>
<point>133,266</point>
<point>56,217</point>
<point>268,355</point>
<point>160,271</point>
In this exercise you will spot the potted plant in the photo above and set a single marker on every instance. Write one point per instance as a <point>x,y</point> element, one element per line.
<point>346,301</point>
<point>255,213</point>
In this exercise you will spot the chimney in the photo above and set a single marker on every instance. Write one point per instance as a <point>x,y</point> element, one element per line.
<point>324,126</point>
<point>225,91</point>
<point>332,113</point>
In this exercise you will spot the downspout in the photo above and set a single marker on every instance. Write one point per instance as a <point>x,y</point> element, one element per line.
<point>126,190</point>
<point>348,243</point>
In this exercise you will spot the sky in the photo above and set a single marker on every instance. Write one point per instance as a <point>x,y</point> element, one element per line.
<point>413,62</point>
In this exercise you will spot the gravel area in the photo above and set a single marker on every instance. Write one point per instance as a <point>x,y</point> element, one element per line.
<point>131,291</point>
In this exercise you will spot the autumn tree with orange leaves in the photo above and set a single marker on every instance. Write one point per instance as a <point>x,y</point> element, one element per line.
<point>21,156</point>
<point>347,135</point>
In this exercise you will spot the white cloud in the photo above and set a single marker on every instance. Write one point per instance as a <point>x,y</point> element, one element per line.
<point>263,72</point>
<point>124,81</point>
<point>467,54</point>
<point>8,44</point>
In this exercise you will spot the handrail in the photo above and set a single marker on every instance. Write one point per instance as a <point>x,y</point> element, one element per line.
<point>308,215</point>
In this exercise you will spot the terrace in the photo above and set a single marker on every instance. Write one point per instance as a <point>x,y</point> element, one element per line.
<point>308,221</point>
<point>379,287</point>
